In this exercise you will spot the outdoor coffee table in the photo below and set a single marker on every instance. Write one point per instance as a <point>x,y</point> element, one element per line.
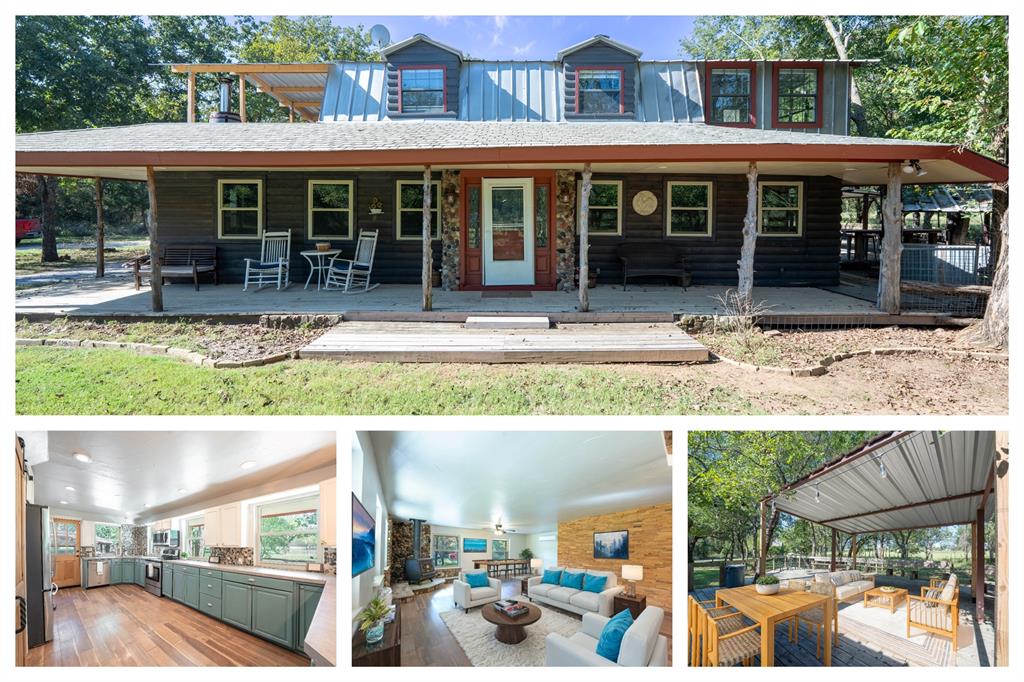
<point>318,263</point>
<point>880,597</point>
<point>510,630</point>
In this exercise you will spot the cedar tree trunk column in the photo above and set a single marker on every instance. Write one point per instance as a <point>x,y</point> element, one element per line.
<point>99,228</point>
<point>762,545</point>
<point>745,286</point>
<point>585,239</point>
<point>978,556</point>
<point>892,243</point>
<point>1002,605</point>
<point>428,267</point>
<point>835,541</point>
<point>156,281</point>
<point>190,115</point>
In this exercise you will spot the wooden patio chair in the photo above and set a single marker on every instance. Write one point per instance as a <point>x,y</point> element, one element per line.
<point>727,641</point>
<point>700,615</point>
<point>816,617</point>
<point>345,273</point>
<point>272,265</point>
<point>937,609</point>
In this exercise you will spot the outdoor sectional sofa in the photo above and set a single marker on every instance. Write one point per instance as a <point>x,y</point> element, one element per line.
<point>847,585</point>
<point>571,599</point>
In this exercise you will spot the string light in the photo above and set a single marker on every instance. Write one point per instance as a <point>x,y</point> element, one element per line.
<point>817,494</point>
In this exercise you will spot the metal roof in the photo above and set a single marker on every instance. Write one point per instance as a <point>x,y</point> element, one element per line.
<point>511,91</point>
<point>355,91</point>
<point>600,38</point>
<point>670,91</point>
<point>420,38</point>
<point>899,481</point>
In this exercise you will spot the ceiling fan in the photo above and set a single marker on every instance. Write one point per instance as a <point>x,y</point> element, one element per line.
<point>501,530</point>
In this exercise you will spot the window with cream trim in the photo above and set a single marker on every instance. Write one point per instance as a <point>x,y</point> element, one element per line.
<point>688,209</point>
<point>240,209</point>
<point>330,209</point>
<point>409,203</point>
<point>605,214</point>
<point>780,208</point>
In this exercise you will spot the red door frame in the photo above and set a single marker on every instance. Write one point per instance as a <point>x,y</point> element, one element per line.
<point>544,281</point>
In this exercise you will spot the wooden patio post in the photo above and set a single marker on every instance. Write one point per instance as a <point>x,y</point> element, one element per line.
<point>1002,603</point>
<point>428,254</point>
<point>585,239</point>
<point>835,539</point>
<point>892,243</point>
<point>156,281</point>
<point>762,549</point>
<point>190,115</point>
<point>853,552</point>
<point>100,265</point>
<point>745,279</point>
<point>291,113</point>
<point>978,565</point>
<point>241,98</point>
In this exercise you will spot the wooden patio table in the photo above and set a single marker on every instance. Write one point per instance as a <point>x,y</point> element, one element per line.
<point>769,609</point>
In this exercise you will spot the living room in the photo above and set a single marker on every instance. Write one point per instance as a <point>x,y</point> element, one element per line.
<point>541,548</point>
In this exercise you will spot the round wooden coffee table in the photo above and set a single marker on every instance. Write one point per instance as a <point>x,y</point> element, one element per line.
<point>510,630</point>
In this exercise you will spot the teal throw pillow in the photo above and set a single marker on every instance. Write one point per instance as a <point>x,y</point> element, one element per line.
<point>551,577</point>
<point>594,583</point>
<point>611,636</point>
<point>477,579</point>
<point>573,580</point>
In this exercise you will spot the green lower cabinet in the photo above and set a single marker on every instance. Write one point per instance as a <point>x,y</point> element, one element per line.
<point>210,605</point>
<point>273,615</point>
<point>309,597</point>
<point>115,571</point>
<point>166,584</point>
<point>140,573</point>
<point>192,590</point>
<point>236,605</point>
<point>178,585</point>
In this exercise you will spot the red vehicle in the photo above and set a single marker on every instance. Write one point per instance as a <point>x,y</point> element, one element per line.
<point>25,228</point>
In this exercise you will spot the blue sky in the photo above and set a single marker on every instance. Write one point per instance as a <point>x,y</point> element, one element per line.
<point>531,37</point>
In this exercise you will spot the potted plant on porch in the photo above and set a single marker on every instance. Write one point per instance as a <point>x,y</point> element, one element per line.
<point>371,620</point>
<point>767,584</point>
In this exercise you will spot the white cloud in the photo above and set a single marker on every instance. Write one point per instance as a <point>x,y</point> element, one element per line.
<point>500,22</point>
<point>523,49</point>
<point>442,19</point>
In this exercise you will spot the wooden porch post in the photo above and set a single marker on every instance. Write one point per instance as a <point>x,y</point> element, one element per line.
<point>1002,604</point>
<point>585,240</point>
<point>100,265</point>
<point>835,540</point>
<point>892,243</point>
<point>745,279</point>
<point>190,116</point>
<point>978,565</point>
<point>762,549</point>
<point>241,98</point>
<point>428,253</point>
<point>291,113</point>
<point>156,280</point>
<point>853,551</point>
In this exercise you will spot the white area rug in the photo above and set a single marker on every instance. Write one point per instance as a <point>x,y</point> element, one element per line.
<point>476,637</point>
<point>889,631</point>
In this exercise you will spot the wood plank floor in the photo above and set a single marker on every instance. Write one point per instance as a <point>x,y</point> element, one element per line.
<point>426,640</point>
<point>449,342</point>
<point>123,625</point>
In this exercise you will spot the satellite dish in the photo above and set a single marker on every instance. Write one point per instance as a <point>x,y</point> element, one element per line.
<point>380,35</point>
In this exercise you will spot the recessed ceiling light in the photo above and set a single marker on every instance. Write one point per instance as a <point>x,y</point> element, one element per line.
<point>248,464</point>
<point>182,491</point>
<point>68,487</point>
<point>63,501</point>
<point>82,457</point>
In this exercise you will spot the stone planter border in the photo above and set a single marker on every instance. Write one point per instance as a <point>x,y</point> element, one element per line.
<point>822,367</point>
<point>182,354</point>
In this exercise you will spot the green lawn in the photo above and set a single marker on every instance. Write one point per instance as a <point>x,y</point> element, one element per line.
<point>705,576</point>
<point>28,261</point>
<point>102,381</point>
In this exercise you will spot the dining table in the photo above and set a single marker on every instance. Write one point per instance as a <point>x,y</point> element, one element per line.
<point>768,610</point>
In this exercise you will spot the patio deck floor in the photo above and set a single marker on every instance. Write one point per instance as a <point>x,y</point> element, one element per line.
<point>874,637</point>
<point>117,297</point>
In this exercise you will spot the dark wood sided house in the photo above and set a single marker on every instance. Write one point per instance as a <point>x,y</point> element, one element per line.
<point>677,153</point>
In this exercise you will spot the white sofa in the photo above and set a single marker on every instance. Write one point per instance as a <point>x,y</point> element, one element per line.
<point>847,585</point>
<point>467,597</point>
<point>642,645</point>
<point>577,601</point>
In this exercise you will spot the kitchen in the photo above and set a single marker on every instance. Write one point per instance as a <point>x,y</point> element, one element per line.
<point>176,548</point>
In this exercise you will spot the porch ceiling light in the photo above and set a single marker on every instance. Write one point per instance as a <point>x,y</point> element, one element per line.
<point>817,494</point>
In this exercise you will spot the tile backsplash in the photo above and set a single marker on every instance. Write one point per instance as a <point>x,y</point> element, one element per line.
<point>236,556</point>
<point>331,560</point>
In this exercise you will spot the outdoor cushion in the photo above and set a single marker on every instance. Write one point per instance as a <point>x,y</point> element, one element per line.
<point>932,617</point>
<point>477,579</point>
<point>551,577</point>
<point>541,589</point>
<point>594,583</point>
<point>611,636</point>
<point>949,589</point>
<point>586,600</point>
<point>562,594</point>
<point>573,580</point>
<point>478,593</point>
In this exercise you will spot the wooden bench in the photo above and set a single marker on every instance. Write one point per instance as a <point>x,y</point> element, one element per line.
<point>653,259</point>
<point>179,260</point>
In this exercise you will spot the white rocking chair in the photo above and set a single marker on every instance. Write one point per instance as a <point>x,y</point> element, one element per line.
<point>345,273</point>
<point>272,266</point>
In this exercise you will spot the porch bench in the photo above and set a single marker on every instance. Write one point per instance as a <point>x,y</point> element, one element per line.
<point>653,259</point>
<point>178,261</point>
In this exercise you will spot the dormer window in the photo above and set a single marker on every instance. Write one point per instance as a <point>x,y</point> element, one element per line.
<point>798,88</point>
<point>599,91</point>
<point>421,90</point>
<point>731,94</point>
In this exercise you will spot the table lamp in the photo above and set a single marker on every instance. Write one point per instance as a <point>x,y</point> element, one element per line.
<point>535,565</point>
<point>632,573</point>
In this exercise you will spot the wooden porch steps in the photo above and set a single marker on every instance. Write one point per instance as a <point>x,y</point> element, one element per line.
<point>452,342</point>
<point>507,322</point>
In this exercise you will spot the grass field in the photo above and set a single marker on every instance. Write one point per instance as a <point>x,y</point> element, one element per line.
<point>100,381</point>
<point>27,261</point>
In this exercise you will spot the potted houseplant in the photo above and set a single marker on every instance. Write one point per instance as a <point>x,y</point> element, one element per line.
<point>767,584</point>
<point>526,554</point>
<point>371,620</point>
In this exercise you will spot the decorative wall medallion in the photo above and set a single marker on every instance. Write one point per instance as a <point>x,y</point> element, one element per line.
<point>645,203</point>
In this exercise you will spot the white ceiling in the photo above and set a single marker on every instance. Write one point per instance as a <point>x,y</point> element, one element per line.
<point>529,480</point>
<point>132,469</point>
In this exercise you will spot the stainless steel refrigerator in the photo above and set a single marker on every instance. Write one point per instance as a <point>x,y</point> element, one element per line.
<point>39,565</point>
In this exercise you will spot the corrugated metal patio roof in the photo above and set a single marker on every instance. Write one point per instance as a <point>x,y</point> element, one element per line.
<point>899,481</point>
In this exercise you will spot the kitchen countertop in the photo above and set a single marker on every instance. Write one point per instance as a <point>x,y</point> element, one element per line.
<point>320,643</point>
<point>108,558</point>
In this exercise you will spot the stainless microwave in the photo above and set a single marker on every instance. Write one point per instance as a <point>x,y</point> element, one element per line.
<point>167,538</point>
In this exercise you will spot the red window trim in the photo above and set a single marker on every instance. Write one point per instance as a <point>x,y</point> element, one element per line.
<point>622,83</point>
<point>776,68</point>
<point>425,67</point>
<point>750,66</point>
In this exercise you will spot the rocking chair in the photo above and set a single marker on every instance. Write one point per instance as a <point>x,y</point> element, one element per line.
<point>272,266</point>
<point>345,273</point>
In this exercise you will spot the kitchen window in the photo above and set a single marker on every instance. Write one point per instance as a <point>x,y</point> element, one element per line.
<point>195,543</point>
<point>288,531</point>
<point>108,538</point>
<point>240,209</point>
<point>330,209</point>
<point>605,215</point>
<point>409,200</point>
<point>421,90</point>
<point>65,536</point>
<point>445,550</point>
<point>780,211</point>
<point>599,91</point>
<point>730,94</point>
<point>499,549</point>
<point>797,95</point>
<point>688,209</point>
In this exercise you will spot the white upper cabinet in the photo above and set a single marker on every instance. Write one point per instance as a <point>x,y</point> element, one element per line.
<point>222,527</point>
<point>328,513</point>
<point>88,537</point>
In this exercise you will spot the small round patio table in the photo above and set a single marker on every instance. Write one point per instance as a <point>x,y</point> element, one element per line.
<point>318,263</point>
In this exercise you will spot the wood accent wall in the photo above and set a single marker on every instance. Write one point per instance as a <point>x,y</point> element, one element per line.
<point>650,546</point>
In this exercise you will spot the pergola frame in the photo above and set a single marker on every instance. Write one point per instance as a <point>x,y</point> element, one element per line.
<point>308,110</point>
<point>996,483</point>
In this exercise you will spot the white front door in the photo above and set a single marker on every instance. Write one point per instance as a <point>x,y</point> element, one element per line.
<point>508,231</point>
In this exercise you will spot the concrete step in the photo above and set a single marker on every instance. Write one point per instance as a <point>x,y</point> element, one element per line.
<point>507,322</point>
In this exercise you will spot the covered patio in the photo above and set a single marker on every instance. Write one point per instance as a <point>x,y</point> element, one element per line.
<point>896,482</point>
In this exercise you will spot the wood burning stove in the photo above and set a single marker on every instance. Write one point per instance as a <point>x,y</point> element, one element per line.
<point>418,569</point>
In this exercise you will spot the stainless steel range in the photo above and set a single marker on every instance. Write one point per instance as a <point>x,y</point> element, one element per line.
<point>154,571</point>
